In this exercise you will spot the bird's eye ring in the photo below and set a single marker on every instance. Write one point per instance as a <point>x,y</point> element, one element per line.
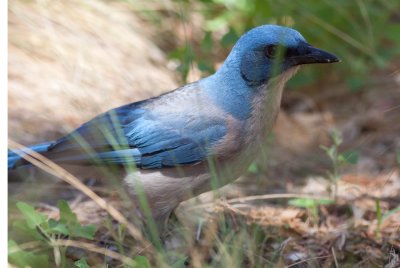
<point>270,51</point>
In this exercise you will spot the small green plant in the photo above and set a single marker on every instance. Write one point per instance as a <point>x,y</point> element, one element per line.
<point>45,232</point>
<point>378,216</point>
<point>81,263</point>
<point>22,258</point>
<point>338,160</point>
<point>381,217</point>
<point>310,204</point>
<point>253,168</point>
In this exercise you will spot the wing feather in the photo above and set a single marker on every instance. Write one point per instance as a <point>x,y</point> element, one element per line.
<point>136,134</point>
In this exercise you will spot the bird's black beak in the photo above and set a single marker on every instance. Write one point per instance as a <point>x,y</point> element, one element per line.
<point>307,54</point>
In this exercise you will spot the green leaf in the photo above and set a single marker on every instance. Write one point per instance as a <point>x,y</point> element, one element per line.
<point>207,42</point>
<point>337,137</point>
<point>253,168</point>
<point>81,263</point>
<point>302,202</point>
<point>22,258</point>
<point>58,227</point>
<point>341,158</point>
<point>141,262</point>
<point>351,156</point>
<point>86,231</point>
<point>331,151</point>
<point>325,201</point>
<point>309,203</point>
<point>205,66</point>
<point>21,227</point>
<point>390,213</point>
<point>229,38</point>
<point>398,157</point>
<point>66,214</point>
<point>32,217</point>
<point>70,225</point>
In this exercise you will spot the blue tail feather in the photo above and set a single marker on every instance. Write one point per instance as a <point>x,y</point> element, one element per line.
<point>14,157</point>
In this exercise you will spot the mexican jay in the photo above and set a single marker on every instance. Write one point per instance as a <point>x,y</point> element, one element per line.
<point>173,146</point>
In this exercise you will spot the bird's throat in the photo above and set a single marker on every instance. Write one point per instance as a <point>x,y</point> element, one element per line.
<point>265,108</point>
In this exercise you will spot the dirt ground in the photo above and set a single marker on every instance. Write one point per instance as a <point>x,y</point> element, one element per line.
<point>70,60</point>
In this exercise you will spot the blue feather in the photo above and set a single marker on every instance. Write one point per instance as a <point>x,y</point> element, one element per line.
<point>133,134</point>
<point>14,158</point>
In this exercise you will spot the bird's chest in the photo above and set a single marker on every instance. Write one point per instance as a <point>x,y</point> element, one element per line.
<point>265,109</point>
<point>253,135</point>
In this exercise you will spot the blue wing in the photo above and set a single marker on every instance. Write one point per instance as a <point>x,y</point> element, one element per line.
<point>136,134</point>
<point>14,158</point>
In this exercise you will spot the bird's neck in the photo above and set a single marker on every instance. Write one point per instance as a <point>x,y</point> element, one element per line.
<point>258,105</point>
<point>266,105</point>
<point>230,92</point>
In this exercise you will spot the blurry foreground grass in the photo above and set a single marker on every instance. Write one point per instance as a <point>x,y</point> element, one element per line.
<point>360,228</point>
<point>239,232</point>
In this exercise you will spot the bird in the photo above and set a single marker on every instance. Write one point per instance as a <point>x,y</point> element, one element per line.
<point>178,145</point>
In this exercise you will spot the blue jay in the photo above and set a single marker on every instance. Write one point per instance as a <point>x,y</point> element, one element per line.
<point>177,143</point>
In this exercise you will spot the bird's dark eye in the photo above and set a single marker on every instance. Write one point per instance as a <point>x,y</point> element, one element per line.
<point>270,51</point>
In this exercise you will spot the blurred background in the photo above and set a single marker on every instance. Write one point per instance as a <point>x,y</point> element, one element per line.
<point>71,60</point>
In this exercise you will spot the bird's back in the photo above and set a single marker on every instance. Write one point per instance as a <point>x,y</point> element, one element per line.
<point>177,128</point>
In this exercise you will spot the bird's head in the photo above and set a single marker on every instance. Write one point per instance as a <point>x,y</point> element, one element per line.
<point>270,50</point>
